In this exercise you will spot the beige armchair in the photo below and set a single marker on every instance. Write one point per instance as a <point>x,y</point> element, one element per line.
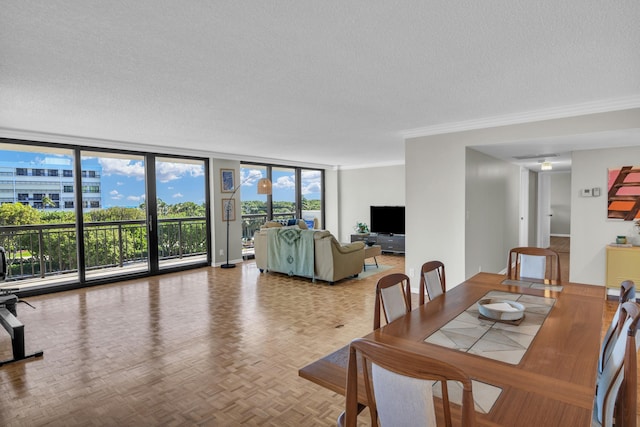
<point>333,261</point>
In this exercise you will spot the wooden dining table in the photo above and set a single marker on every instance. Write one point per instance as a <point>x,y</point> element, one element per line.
<point>553,384</point>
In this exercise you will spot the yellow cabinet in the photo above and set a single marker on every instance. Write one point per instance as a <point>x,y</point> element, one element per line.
<point>622,264</point>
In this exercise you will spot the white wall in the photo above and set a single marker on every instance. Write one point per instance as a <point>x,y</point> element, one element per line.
<point>435,189</point>
<point>560,199</point>
<point>362,188</point>
<point>492,212</point>
<point>591,231</point>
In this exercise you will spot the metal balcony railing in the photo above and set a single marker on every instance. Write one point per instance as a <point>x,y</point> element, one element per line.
<point>39,251</point>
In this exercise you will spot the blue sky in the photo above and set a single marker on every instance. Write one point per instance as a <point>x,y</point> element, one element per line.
<point>283,185</point>
<point>122,177</point>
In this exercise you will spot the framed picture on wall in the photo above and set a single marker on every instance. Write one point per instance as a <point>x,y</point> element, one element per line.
<point>624,193</point>
<point>228,209</point>
<point>227,180</point>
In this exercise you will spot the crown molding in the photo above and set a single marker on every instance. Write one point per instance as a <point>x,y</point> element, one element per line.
<point>371,165</point>
<point>602,106</point>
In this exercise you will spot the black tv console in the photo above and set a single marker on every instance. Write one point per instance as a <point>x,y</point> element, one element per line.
<point>393,243</point>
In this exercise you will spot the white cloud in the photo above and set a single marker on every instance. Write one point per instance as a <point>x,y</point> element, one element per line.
<point>115,195</point>
<point>166,171</point>
<point>285,182</point>
<point>177,195</point>
<point>130,168</point>
<point>249,177</point>
<point>311,182</point>
<point>135,198</point>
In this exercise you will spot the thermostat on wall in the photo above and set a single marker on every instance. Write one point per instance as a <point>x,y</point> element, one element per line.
<point>586,192</point>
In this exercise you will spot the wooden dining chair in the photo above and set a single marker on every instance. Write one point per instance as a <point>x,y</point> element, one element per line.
<point>533,263</point>
<point>616,392</point>
<point>627,293</point>
<point>393,295</point>
<point>432,280</point>
<point>399,387</point>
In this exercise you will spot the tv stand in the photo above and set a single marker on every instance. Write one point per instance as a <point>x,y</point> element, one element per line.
<point>393,243</point>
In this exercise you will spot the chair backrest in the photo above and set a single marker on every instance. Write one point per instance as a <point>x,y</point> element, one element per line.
<point>616,394</point>
<point>534,263</point>
<point>432,280</point>
<point>627,293</point>
<point>3,263</point>
<point>399,385</point>
<point>393,295</point>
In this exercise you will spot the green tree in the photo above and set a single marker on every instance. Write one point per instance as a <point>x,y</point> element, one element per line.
<point>186,209</point>
<point>115,213</point>
<point>58,217</point>
<point>46,201</point>
<point>18,214</point>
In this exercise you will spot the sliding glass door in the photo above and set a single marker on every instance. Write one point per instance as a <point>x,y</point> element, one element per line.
<point>181,211</point>
<point>114,215</point>
<point>37,213</point>
<point>69,214</point>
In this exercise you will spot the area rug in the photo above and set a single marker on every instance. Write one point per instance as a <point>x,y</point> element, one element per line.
<point>372,271</point>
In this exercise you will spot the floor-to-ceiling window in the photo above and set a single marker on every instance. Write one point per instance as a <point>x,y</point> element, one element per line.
<point>114,215</point>
<point>73,215</point>
<point>311,200</point>
<point>37,212</point>
<point>182,205</point>
<point>297,193</point>
<point>283,198</point>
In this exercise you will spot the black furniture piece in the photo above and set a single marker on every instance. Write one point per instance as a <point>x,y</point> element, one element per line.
<point>8,317</point>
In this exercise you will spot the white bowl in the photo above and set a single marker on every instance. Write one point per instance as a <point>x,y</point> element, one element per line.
<point>501,309</point>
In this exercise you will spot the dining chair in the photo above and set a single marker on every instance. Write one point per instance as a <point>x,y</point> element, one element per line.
<point>399,387</point>
<point>432,280</point>
<point>627,293</point>
<point>393,294</point>
<point>616,392</point>
<point>533,263</point>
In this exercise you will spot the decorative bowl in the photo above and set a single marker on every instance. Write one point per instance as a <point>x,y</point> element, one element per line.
<point>501,309</point>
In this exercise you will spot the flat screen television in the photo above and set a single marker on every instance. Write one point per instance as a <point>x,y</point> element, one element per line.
<point>387,219</point>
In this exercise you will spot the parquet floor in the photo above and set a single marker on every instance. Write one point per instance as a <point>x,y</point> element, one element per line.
<point>208,347</point>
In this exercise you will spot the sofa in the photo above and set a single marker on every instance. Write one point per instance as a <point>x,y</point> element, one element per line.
<point>315,254</point>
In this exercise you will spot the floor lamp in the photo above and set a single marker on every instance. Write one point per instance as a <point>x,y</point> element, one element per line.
<point>264,187</point>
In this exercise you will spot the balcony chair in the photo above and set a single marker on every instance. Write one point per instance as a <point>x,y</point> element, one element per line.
<point>399,386</point>
<point>393,294</point>
<point>432,280</point>
<point>534,263</point>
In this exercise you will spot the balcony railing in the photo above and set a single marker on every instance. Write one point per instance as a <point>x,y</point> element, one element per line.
<point>39,251</point>
<point>252,222</point>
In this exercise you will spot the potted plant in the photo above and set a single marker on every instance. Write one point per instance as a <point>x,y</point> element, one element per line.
<point>361,227</point>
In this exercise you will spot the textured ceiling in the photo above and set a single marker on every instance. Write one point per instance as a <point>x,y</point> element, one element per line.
<point>325,82</point>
